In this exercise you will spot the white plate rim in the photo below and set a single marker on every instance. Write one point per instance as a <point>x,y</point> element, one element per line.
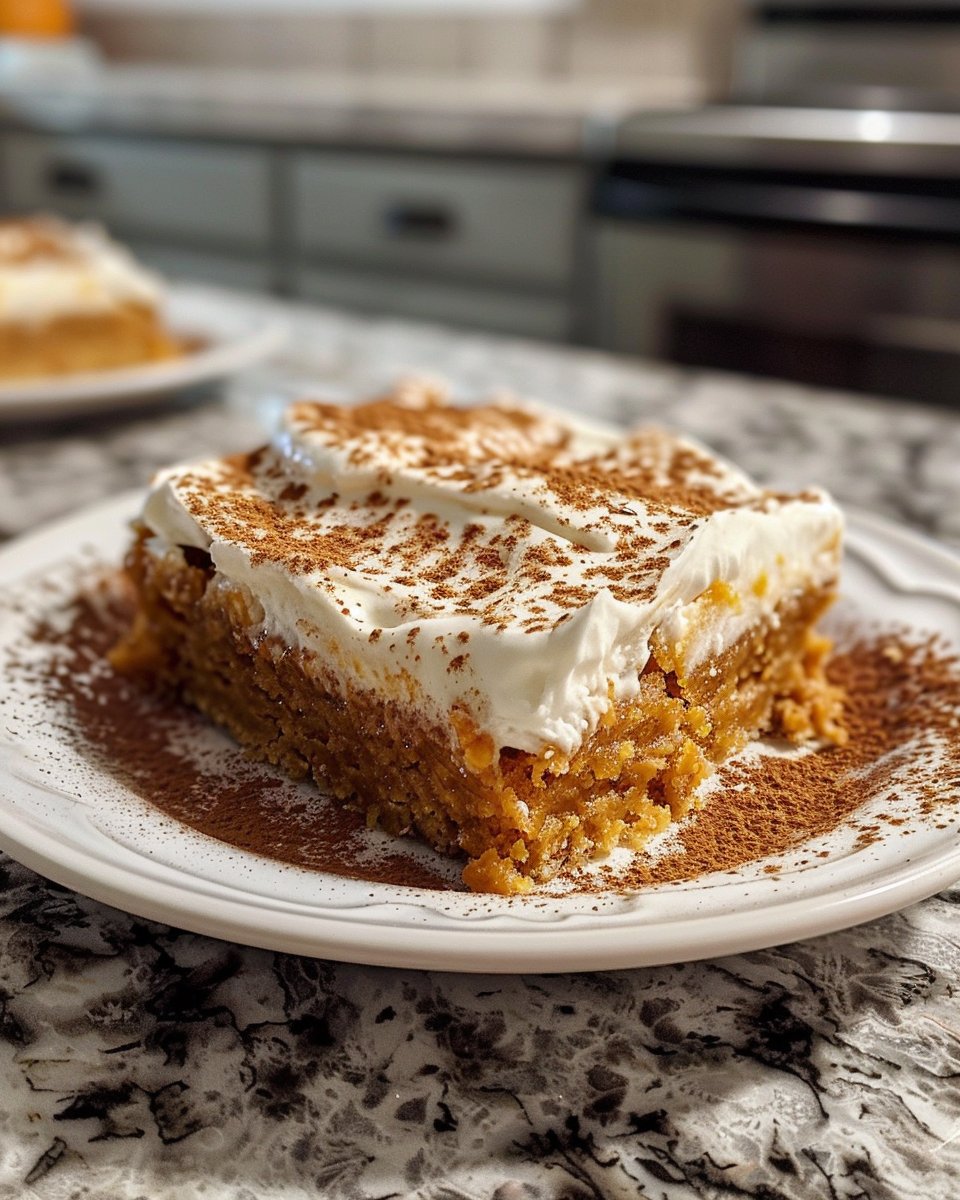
<point>561,947</point>
<point>240,341</point>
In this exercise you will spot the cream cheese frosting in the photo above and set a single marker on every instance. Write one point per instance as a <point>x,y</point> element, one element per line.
<point>49,269</point>
<point>504,560</point>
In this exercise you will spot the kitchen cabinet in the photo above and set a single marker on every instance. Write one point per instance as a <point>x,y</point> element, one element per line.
<point>197,193</point>
<point>469,242</point>
<point>509,222</point>
<point>481,241</point>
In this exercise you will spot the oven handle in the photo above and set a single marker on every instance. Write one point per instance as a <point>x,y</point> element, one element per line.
<point>780,204</point>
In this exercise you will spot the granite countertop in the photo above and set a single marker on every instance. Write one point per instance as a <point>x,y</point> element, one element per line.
<point>141,1061</point>
<point>461,114</point>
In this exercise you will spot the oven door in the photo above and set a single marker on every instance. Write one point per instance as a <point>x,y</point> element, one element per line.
<point>838,286</point>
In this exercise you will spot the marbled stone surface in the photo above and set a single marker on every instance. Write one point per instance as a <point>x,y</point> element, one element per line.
<point>140,1061</point>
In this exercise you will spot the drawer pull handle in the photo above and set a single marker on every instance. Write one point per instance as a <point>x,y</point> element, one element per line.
<point>72,179</point>
<point>421,221</point>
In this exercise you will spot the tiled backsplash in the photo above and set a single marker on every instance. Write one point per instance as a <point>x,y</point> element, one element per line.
<point>608,39</point>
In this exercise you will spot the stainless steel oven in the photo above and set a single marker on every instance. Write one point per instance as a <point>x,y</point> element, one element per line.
<point>809,240</point>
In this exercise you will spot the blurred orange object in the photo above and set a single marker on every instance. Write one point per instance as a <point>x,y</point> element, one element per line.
<point>35,18</point>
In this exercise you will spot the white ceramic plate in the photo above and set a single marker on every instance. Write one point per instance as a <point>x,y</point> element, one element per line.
<point>71,821</point>
<point>229,341</point>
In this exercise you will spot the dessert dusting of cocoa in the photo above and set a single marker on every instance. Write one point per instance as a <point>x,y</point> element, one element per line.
<point>148,742</point>
<point>902,713</point>
<point>613,519</point>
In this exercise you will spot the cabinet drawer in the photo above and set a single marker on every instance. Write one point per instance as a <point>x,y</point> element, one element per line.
<point>192,191</point>
<point>509,221</point>
<point>437,300</point>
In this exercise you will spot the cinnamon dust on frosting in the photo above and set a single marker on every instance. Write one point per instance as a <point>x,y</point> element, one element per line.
<point>559,547</point>
<point>250,500</point>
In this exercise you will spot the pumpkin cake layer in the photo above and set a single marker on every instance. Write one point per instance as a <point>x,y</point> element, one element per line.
<point>71,301</point>
<point>526,640</point>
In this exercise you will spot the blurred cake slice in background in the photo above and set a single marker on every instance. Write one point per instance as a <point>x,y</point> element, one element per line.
<point>72,300</point>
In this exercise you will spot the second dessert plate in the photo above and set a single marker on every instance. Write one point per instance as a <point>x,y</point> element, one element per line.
<point>67,815</point>
<point>224,339</point>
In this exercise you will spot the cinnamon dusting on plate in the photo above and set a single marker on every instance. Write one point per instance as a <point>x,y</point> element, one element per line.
<point>902,712</point>
<point>148,742</point>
